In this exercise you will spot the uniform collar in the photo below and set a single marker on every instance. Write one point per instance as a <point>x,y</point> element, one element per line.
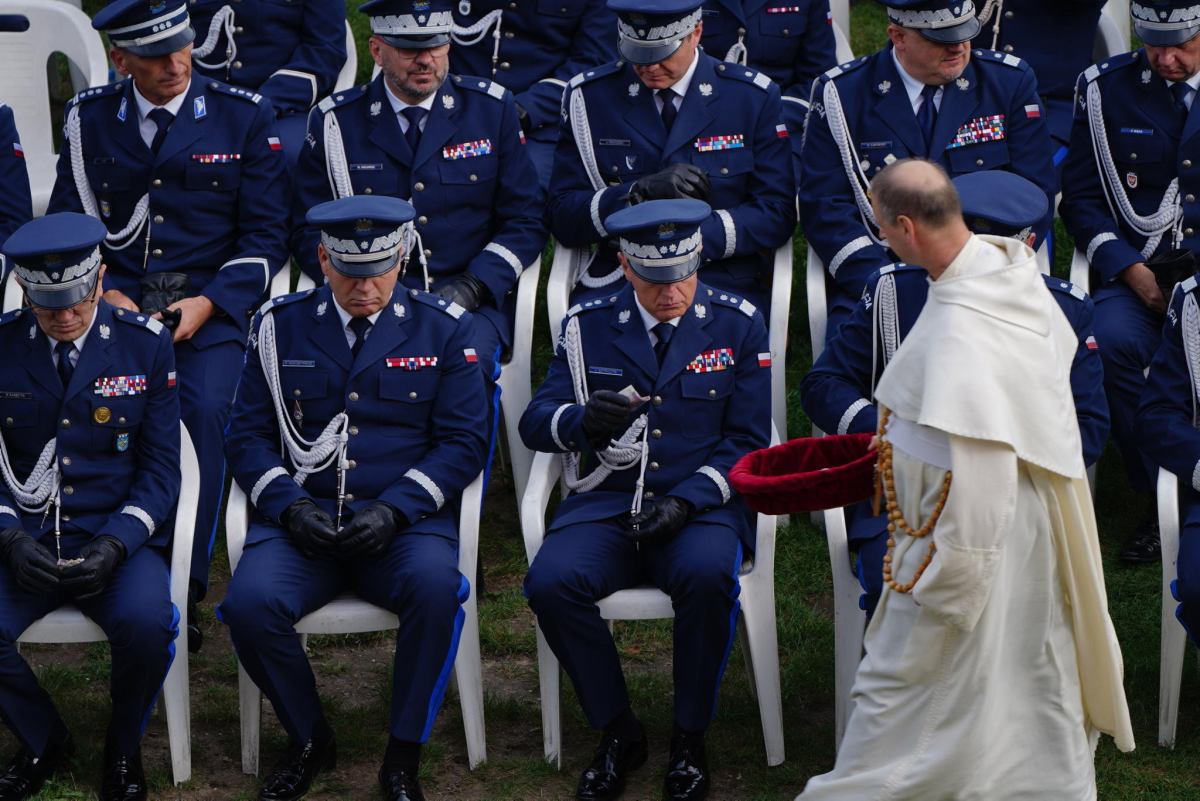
<point>680,87</point>
<point>144,106</point>
<point>346,316</point>
<point>912,86</point>
<point>648,319</point>
<point>399,105</point>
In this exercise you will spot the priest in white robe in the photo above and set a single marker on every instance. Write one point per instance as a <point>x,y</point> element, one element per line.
<point>991,665</point>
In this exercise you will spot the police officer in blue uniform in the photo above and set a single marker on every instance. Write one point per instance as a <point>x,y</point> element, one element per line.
<point>16,202</point>
<point>658,388</point>
<point>1056,39</point>
<point>1129,198</point>
<point>838,393</point>
<point>289,52</point>
<point>532,49</point>
<point>1166,422</point>
<point>89,428</point>
<point>188,177</point>
<point>374,391</point>
<point>670,121</point>
<point>926,94</point>
<point>453,144</point>
<point>790,40</point>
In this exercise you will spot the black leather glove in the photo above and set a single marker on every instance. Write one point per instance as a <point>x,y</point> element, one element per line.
<point>524,120</point>
<point>310,527</point>
<point>100,558</point>
<point>604,416</point>
<point>1170,268</point>
<point>466,290</point>
<point>370,531</point>
<point>660,521</point>
<point>34,568</point>
<point>676,181</point>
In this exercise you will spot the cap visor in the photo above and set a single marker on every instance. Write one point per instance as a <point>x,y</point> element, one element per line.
<point>163,47</point>
<point>363,269</point>
<point>416,42</point>
<point>58,299</point>
<point>1156,37</point>
<point>642,54</point>
<point>666,275</point>
<point>955,34</point>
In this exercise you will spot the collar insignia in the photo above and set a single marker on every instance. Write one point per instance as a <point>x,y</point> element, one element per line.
<point>448,102</point>
<point>701,312</point>
<point>706,89</point>
<point>885,86</point>
<point>398,309</point>
<point>963,84</point>
<point>376,107</point>
<point>105,331</point>
<point>634,88</point>
<point>623,317</point>
<point>321,307</point>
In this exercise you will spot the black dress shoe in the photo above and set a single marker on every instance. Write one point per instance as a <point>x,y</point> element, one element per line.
<point>195,634</point>
<point>400,784</point>
<point>124,779</point>
<point>1145,546</point>
<point>26,774</point>
<point>615,757</point>
<point>687,771</point>
<point>295,773</point>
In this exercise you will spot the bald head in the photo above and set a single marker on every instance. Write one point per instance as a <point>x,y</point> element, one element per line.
<point>919,213</point>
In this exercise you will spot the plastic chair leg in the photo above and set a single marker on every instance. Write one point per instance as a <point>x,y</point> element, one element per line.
<point>469,676</point>
<point>548,681</point>
<point>178,708</point>
<point>1173,636</point>
<point>250,698</point>
<point>758,615</point>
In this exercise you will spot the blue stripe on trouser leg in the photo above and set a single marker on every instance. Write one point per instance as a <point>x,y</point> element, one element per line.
<point>439,689</point>
<point>1186,587</point>
<point>733,619</point>
<point>493,386</point>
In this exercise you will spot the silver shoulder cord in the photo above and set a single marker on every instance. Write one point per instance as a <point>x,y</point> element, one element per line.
<point>473,34</point>
<point>582,132</point>
<point>222,20</point>
<point>87,198</point>
<point>40,490</point>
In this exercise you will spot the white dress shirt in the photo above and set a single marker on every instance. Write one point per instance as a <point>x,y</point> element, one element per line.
<point>1194,84</point>
<point>346,317</point>
<point>914,88</point>
<point>398,106</point>
<point>680,87</point>
<point>649,321</point>
<point>79,343</point>
<point>146,126</point>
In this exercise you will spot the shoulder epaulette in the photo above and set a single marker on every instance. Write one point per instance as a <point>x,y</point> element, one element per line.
<point>842,69</point>
<point>745,74</point>
<point>441,304</point>
<point>589,305</point>
<point>1112,64</point>
<point>8,317</point>
<point>481,85</point>
<point>283,300</point>
<point>1189,285</point>
<point>98,91</point>
<point>342,98</point>
<point>235,91</point>
<point>996,57</point>
<point>1065,287</point>
<point>139,320</point>
<point>596,72</point>
<point>723,298</point>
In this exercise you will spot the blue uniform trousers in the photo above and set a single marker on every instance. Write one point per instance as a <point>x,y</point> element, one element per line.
<point>1186,587</point>
<point>136,614</point>
<point>1128,334</point>
<point>417,578</point>
<point>208,378</point>
<point>698,568</point>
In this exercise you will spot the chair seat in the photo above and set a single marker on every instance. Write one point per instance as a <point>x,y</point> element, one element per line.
<point>347,614</point>
<point>65,624</point>
<point>645,602</point>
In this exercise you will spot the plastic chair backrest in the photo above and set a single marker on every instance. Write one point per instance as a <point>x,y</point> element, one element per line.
<point>349,71</point>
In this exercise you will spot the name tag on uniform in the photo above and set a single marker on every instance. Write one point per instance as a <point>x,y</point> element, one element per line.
<point>1138,131</point>
<point>411,362</point>
<point>467,150</point>
<point>104,160</point>
<point>712,361</point>
<point>298,363</point>
<point>874,145</point>
<point>605,370</point>
<point>216,158</point>
<point>11,394</point>
<point>115,386</point>
<point>365,167</point>
<point>614,142</point>
<point>707,144</point>
<point>979,130</point>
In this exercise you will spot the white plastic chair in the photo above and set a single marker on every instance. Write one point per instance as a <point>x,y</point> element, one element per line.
<point>24,85</point>
<point>849,620</point>
<point>818,313</point>
<point>516,375</point>
<point>759,637</point>
<point>281,282</point>
<point>12,290</point>
<point>1115,27</point>
<point>1173,636</point>
<point>841,18</point>
<point>348,614</point>
<point>349,70</point>
<point>68,625</point>
<point>841,42</point>
<point>569,261</point>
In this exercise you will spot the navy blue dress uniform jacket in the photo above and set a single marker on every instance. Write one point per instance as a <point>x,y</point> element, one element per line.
<point>479,207</point>
<point>543,44</point>
<point>414,399</point>
<point>990,119</point>
<point>1056,39</point>
<point>1166,418</point>
<point>729,125</point>
<point>116,425</point>
<point>290,51</point>
<point>218,196</point>
<point>838,393</point>
<point>16,202</point>
<point>700,421</point>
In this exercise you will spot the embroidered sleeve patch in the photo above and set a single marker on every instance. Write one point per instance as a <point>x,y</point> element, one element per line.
<point>467,150</point>
<point>1033,111</point>
<point>171,379</point>
<point>1091,343</point>
<point>712,361</point>
<point>979,130</point>
<point>706,144</point>
<point>470,355</point>
<point>781,131</point>
<point>764,359</point>
<point>117,385</point>
<point>273,143</point>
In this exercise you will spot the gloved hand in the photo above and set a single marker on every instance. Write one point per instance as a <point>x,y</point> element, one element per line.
<point>524,120</point>
<point>310,527</point>
<point>676,181</point>
<point>466,290</point>
<point>34,567</point>
<point>100,558</point>
<point>604,416</point>
<point>660,521</point>
<point>370,531</point>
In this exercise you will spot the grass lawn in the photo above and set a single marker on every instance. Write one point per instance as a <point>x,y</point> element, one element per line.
<point>354,672</point>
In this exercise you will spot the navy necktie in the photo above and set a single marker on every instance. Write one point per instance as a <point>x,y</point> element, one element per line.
<point>1180,92</point>
<point>669,112</point>
<point>927,115</point>
<point>360,326</point>
<point>414,115</point>
<point>65,368</point>
<point>163,119</point>
<point>664,332</point>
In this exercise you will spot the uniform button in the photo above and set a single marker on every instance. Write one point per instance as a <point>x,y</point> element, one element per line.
<point>412,395</point>
<point>1008,48</point>
<point>504,65</point>
<point>120,421</point>
<point>657,400</point>
<point>353,396</point>
<point>238,29</point>
<point>423,219</point>
<point>65,423</point>
<point>349,497</point>
<point>369,191</point>
<point>474,177</point>
<point>741,31</point>
<point>156,182</point>
<point>418,187</point>
<point>724,171</point>
<point>508,34</point>
<point>158,218</point>
<point>103,185</point>
<point>66,518</point>
<point>786,32</point>
<point>512,6</point>
<point>1190,198</point>
<point>215,184</point>
<point>1008,15</point>
<point>350,465</point>
<point>295,393</point>
<point>428,253</point>
<point>1187,162</point>
<point>654,465</point>
<point>66,460</point>
<point>156,252</point>
<point>614,168</point>
<point>68,490</point>
<point>656,433</point>
<point>712,393</point>
<point>648,494</point>
<point>1133,156</point>
<point>978,162</point>
<point>1188,231</point>
<point>354,431</point>
<point>237,65</point>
